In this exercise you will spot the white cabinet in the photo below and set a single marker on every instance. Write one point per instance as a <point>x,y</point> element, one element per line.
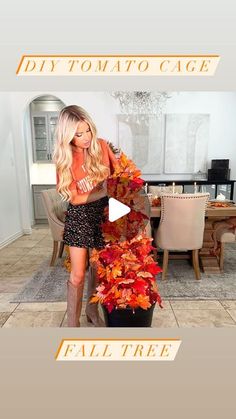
<point>43,132</point>
<point>39,211</point>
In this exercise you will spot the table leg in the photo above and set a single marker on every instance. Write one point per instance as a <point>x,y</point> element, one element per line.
<point>210,253</point>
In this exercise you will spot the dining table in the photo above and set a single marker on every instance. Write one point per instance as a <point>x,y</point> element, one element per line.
<point>215,216</point>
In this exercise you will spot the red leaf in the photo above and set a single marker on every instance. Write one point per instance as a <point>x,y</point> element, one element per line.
<point>140,286</point>
<point>153,268</point>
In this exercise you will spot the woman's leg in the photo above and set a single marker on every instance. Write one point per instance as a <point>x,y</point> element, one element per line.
<point>92,308</point>
<point>75,285</point>
<point>78,259</point>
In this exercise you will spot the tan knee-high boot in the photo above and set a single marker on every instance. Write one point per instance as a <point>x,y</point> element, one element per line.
<point>74,303</point>
<point>91,309</point>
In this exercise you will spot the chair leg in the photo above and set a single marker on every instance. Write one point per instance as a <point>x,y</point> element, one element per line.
<point>54,253</point>
<point>222,249</point>
<point>155,255</point>
<point>165,263</point>
<point>195,259</point>
<point>61,250</point>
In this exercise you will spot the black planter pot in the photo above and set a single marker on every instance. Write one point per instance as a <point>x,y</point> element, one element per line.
<point>125,317</point>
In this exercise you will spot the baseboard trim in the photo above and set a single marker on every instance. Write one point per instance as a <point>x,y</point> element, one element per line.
<point>12,238</point>
<point>27,231</point>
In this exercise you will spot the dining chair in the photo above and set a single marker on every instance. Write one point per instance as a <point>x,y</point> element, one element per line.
<point>148,230</point>
<point>55,210</point>
<point>181,226</point>
<point>159,190</point>
<point>224,232</point>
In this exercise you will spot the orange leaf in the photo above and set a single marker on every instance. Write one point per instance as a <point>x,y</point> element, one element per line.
<point>94,299</point>
<point>143,301</point>
<point>101,271</point>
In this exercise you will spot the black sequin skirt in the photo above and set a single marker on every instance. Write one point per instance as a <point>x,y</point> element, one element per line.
<point>83,224</point>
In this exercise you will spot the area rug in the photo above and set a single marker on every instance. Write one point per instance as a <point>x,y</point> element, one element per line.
<point>49,283</point>
<point>182,284</point>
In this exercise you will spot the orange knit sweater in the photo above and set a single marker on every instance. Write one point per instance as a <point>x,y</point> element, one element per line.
<point>82,189</point>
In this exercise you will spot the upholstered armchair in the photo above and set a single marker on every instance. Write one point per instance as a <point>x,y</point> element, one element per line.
<point>181,226</point>
<point>55,210</point>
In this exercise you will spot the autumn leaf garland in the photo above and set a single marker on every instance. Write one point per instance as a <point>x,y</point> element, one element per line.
<point>125,269</point>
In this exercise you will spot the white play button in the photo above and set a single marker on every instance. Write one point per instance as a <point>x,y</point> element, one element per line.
<point>117,209</point>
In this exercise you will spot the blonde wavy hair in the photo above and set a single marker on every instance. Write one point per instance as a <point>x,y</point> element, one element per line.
<point>69,118</point>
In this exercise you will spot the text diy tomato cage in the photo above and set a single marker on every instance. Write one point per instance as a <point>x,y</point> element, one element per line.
<point>114,65</point>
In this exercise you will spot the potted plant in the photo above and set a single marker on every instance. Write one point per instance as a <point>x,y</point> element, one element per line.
<point>126,270</point>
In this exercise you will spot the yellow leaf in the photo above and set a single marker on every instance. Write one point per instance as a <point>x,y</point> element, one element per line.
<point>131,267</point>
<point>126,281</point>
<point>144,274</point>
<point>116,270</point>
<point>129,256</point>
<point>94,258</point>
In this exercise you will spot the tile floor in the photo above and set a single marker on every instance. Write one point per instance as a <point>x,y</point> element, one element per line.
<point>20,259</point>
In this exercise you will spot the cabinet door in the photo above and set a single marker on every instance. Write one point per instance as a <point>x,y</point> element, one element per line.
<point>52,122</point>
<point>39,211</point>
<point>41,147</point>
<point>224,190</point>
<point>211,189</point>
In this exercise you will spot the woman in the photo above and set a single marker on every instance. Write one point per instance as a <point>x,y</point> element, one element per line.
<point>83,162</point>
